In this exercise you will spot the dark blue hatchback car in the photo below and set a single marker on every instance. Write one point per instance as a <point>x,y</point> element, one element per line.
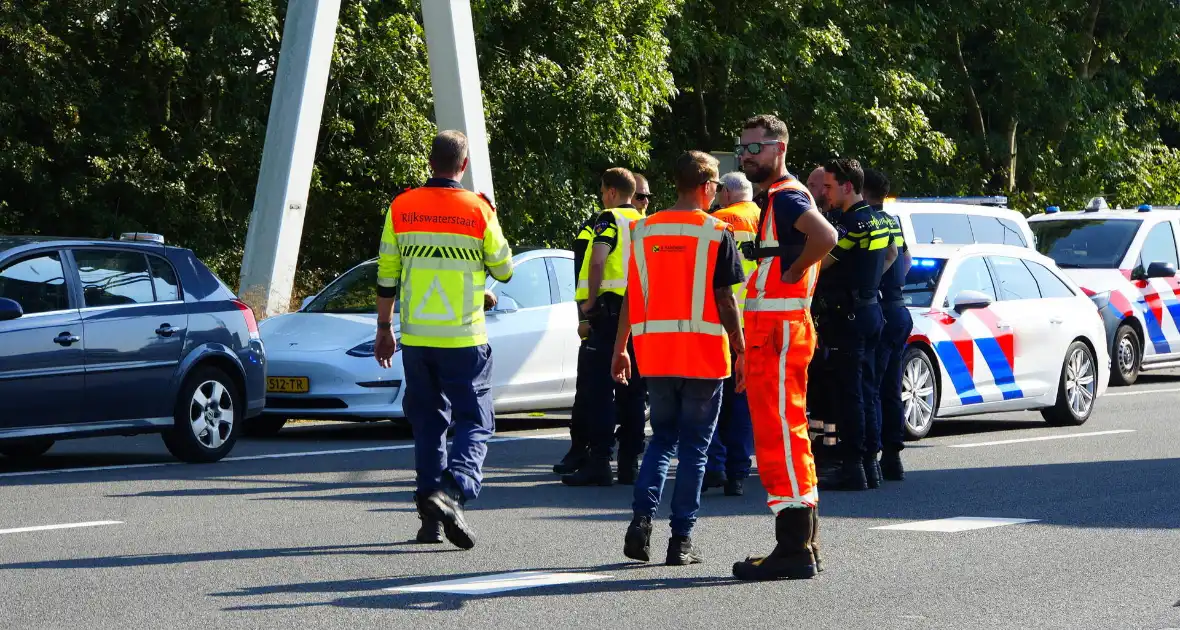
<point>106,337</point>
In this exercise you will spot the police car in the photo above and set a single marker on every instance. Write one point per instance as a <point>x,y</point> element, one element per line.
<point>998,328</point>
<point>960,220</point>
<point>1126,260</point>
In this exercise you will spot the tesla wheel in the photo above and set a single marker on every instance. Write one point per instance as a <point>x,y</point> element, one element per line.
<point>263,426</point>
<point>206,417</point>
<point>25,449</point>
<point>1076,390</point>
<point>1127,353</point>
<point>919,393</point>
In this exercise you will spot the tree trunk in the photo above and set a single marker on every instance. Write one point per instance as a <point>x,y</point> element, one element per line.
<point>1012,123</point>
<point>976,113</point>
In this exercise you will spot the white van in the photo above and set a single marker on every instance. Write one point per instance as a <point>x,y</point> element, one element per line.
<point>960,221</point>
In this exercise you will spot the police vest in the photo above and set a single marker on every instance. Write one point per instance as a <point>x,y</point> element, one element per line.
<point>742,217</point>
<point>436,244</point>
<point>614,273</point>
<point>766,293</point>
<point>673,310</point>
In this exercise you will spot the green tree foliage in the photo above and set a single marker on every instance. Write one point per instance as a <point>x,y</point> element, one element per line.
<point>150,114</point>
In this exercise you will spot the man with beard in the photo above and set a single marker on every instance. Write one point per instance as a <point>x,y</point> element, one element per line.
<point>792,239</point>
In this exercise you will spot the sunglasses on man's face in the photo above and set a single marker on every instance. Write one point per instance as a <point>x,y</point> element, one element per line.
<point>753,148</point>
<point>644,196</point>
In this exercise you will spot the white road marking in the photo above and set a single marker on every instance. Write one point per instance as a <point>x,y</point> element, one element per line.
<point>956,524</point>
<point>1141,392</point>
<point>247,458</point>
<point>43,528</point>
<point>499,583</point>
<point>1041,438</point>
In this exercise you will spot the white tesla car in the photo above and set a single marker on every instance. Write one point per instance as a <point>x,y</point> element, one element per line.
<point>999,328</point>
<point>320,358</point>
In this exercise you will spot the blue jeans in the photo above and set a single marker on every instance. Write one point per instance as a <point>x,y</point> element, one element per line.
<point>890,427</point>
<point>733,441</point>
<point>448,387</point>
<point>683,418</point>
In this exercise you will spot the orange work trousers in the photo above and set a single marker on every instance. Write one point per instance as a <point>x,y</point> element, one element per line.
<point>779,348</point>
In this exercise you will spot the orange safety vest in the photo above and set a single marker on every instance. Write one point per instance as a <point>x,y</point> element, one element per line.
<point>766,293</point>
<point>677,330</point>
<point>742,217</point>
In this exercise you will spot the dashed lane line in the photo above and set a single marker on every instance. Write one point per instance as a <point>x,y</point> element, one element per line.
<point>1041,438</point>
<point>44,528</point>
<point>1143,392</point>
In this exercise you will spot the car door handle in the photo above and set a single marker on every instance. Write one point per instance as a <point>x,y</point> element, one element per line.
<point>165,330</point>
<point>1003,325</point>
<point>65,339</point>
<point>1055,320</point>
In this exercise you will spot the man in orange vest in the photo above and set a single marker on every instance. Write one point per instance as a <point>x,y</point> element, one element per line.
<point>793,237</point>
<point>683,316</point>
<point>733,442</point>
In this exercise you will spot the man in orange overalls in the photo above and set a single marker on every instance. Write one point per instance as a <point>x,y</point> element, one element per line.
<point>793,237</point>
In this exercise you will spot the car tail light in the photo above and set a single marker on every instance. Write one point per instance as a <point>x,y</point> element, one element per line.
<point>248,313</point>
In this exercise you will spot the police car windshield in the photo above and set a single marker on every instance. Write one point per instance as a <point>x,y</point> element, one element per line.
<point>354,292</point>
<point>921,281</point>
<point>1085,243</point>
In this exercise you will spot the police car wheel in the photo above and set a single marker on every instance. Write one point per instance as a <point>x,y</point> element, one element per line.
<point>207,417</point>
<point>1126,357</point>
<point>1076,389</point>
<point>919,393</point>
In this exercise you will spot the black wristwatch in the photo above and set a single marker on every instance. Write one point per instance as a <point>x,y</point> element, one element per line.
<point>384,325</point>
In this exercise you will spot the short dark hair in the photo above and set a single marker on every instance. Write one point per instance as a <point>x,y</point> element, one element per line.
<point>774,127</point>
<point>448,151</point>
<point>847,171</point>
<point>619,179</point>
<point>876,184</point>
<point>694,168</point>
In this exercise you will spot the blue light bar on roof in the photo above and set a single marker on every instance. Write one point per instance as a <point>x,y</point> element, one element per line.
<point>995,200</point>
<point>925,262</point>
<point>1145,208</point>
<point>1052,210</point>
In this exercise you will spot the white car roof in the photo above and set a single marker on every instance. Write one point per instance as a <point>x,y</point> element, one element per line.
<point>1152,216</point>
<point>911,207</point>
<point>924,250</point>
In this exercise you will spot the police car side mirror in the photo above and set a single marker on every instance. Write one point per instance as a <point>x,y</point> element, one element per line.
<point>1160,270</point>
<point>967,300</point>
<point>505,304</point>
<point>10,309</point>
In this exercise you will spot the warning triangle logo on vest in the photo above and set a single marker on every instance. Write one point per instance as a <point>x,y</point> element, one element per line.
<point>434,305</point>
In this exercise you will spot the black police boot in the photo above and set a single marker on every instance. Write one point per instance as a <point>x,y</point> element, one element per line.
<point>573,460</point>
<point>681,552</point>
<point>628,469</point>
<point>713,479</point>
<point>872,471</point>
<point>431,530</point>
<point>446,506</point>
<point>637,543</point>
<point>850,477</point>
<point>734,487</point>
<point>891,468</point>
<point>793,557</point>
<point>596,472</point>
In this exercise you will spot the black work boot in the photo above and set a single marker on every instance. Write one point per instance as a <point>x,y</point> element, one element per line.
<point>431,530</point>
<point>891,468</point>
<point>792,558</point>
<point>872,471</point>
<point>628,469</point>
<point>713,479</point>
<point>446,506</point>
<point>573,460</point>
<point>681,552</point>
<point>851,476</point>
<point>596,472</point>
<point>637,543</point>
<point>735,487</point>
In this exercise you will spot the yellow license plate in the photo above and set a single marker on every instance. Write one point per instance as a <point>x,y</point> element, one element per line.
<point>287,384</point>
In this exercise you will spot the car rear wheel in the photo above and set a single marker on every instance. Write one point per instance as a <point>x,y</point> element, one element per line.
<point>25,449</point>
<point>919,393</point>
<point>206,417</point>
<point>264,426</point>
<point>1127,354</point>
<point>1077,389</point>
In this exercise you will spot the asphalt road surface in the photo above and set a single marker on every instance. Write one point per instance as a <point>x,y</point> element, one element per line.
<point>310,530</point>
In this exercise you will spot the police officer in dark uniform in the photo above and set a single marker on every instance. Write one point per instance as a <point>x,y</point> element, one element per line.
<point>848,316</point>
<point>888,435</point>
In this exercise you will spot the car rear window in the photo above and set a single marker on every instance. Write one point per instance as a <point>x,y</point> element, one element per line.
<point>922,280</point>
<point>965,229</point>
<point>1085,243</point>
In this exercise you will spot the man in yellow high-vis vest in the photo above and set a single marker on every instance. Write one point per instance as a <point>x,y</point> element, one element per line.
<point>600,402</point>
<point>733,442</point>
<point>437,242</point>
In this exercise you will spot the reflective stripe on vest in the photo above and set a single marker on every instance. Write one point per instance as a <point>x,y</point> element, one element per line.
<point>760,301</point>
<point>705,234</point>
<point>614,272</point>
